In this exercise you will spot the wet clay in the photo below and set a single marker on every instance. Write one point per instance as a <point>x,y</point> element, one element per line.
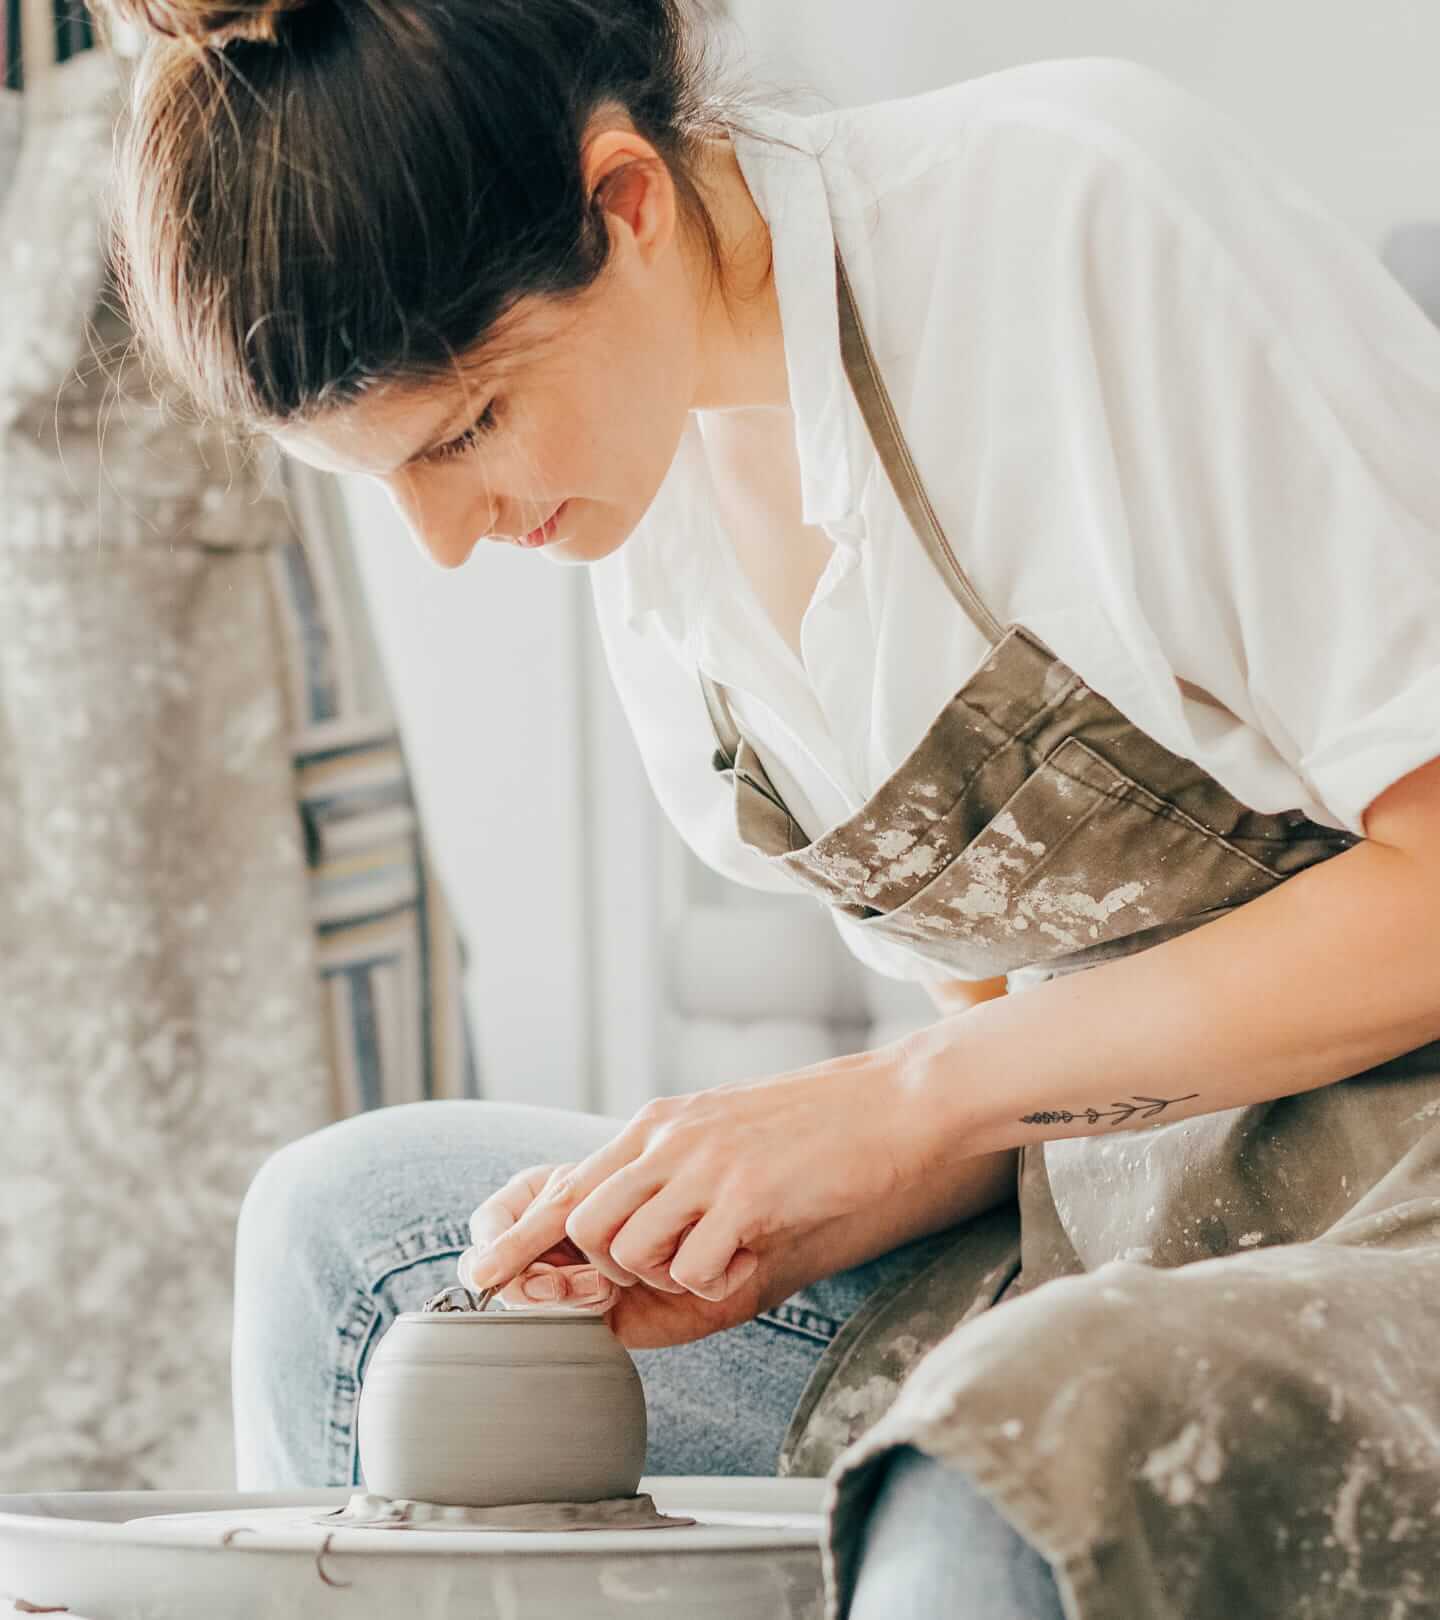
<point>622,1513</point>
<point>488,1409</point>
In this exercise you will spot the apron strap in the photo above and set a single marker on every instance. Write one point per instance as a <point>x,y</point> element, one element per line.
<point>727,733</point>
<point>875,405</point>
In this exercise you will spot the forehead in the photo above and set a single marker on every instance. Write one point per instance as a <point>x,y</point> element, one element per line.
<point>382,429</point>
<point>390,423</point>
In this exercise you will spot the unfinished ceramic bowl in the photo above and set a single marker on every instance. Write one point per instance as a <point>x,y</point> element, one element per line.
<point>493,1408</point>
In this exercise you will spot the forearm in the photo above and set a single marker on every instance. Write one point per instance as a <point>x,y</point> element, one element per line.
<point>1295,990</point>
<point>961,1192</point>
<point>967,1188</point>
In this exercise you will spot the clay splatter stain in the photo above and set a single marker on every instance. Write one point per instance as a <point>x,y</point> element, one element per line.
<point>1192,1459</point>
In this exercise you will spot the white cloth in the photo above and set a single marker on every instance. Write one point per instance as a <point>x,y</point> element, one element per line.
<point>1174,417</point>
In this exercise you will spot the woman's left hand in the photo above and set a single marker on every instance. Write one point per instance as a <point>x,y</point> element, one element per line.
<point>677,1198</point>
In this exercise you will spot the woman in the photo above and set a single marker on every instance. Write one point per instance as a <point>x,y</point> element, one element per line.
<point>1028,499</point>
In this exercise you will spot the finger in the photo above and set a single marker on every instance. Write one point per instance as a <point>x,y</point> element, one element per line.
<point>570,1287</point>
<point>650,1240</point>
<point>563,1254</point>
<point>539,1230</point>
<point>740,1270</point>
<point>507,1204</point>
<point>577,1287</point>
<point>703,1261</point>
<point>595,1222</point>
<point>594,1253</point>
<point>542,1224</point>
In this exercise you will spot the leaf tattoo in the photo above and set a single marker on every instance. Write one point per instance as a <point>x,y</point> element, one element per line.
<point>1120,1113</point>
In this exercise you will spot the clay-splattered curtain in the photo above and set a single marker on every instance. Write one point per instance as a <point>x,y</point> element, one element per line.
<point>218,926</point>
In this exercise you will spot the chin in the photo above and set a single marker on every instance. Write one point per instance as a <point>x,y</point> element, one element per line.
<point>570,550</point>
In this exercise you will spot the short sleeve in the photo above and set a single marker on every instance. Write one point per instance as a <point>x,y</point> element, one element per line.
<point>1257,404</point>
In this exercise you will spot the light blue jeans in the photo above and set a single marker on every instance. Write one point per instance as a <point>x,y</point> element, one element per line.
<point>346,1228</point>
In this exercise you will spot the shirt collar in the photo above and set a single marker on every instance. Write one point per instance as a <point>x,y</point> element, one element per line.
<point>666,566</point>
<point>790,191</point>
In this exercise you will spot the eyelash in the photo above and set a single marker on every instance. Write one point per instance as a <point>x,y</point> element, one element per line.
<point>469,438</point>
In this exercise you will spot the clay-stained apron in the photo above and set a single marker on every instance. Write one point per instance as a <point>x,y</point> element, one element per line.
<point>1226,1402</point>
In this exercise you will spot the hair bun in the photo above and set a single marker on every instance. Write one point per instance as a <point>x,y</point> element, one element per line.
<point>215,23</point>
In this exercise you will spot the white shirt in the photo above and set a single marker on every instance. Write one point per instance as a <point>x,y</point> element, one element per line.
<point>1174,418</point>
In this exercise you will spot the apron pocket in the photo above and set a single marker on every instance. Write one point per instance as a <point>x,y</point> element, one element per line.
<point>1079,854</point>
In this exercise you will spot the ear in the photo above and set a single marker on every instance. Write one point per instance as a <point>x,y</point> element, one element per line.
<point>633,185</point>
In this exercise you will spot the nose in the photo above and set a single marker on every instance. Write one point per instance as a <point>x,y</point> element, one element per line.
<point>444,524</point>
<point>445,552</point>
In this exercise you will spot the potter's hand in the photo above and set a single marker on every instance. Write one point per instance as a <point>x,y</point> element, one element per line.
<point>642,1317</point>
<point>560,1277</point>
<point>683,1195</point>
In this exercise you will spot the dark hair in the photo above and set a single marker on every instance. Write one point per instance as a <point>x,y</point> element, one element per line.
<point>313,195</point>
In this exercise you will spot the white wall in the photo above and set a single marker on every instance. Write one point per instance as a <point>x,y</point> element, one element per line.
<point>516,740</point>
<point>1343,94</point>
<point>486,670</point>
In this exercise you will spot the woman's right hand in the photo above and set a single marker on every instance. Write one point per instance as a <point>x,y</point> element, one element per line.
<point>649,1313</point>
<point>645,1313</point>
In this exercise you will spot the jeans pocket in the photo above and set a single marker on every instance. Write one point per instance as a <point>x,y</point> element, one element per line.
<point>415,1265</point>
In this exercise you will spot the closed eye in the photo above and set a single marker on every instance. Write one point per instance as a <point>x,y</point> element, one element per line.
<point>467,440</point>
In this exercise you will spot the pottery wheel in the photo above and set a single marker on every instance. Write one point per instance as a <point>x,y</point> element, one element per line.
<point>752,1552</point>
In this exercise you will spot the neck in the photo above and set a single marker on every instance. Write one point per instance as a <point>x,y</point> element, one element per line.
<point>741,347</point>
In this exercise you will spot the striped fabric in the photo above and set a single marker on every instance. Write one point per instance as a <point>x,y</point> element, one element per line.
<point>11,63</point>
<point>390,957</point>
<point>73,29</point>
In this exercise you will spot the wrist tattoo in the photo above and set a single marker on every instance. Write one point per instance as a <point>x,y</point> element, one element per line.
<point>1119,1113</point>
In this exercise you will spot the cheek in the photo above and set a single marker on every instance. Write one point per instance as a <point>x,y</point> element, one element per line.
<point>643,384</point>
<point>614,439</point>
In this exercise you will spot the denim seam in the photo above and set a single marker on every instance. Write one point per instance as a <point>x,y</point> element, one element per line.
<point>356,1332</point>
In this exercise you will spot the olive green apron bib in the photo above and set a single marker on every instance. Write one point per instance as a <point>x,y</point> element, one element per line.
<point>1228,1403</point>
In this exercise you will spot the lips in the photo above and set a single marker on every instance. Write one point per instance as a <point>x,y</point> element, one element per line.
<point>546,531</point>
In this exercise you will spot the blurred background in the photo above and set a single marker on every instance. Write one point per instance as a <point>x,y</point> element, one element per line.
<point>347,925</point>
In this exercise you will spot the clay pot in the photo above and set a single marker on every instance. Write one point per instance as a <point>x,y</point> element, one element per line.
<point>487,1409</point>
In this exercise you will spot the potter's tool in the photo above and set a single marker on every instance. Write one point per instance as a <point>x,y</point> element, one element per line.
<point>445,1300</point>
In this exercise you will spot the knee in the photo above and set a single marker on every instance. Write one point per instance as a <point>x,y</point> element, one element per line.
<point>390,1183</point>
<point>368,1160</point>
<point>932,1541</point>
<point>900,1573</point>
<point>275,1200</point>
<point>324,1202</point>
<point>297,1202</point>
